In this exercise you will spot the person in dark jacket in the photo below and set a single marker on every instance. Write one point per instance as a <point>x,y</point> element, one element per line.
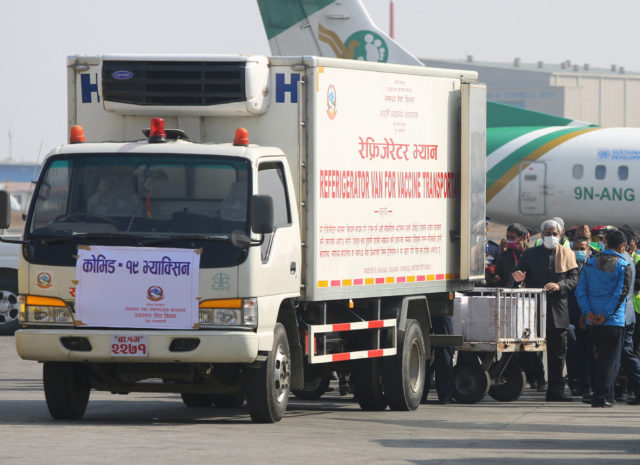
<point>602,293</point>
<point>554,268</point>
<point>508,259</point>
<point>628,359</point>
<point>515,245</point>
<point>579,352</point>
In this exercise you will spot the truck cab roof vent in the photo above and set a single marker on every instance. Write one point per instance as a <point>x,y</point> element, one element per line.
<point>173,83</point>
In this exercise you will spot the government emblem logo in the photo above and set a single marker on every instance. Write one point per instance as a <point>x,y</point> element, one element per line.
<point>44,280</point>
<point>331,102</point>
<point>155,293</point>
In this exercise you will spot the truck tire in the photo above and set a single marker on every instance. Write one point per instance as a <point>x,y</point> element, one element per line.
<point>470,383</point>
<point>233,400</point>
<point>404,373</point>
<point>66,389</point>
<point>314,388</point>
<point>9,306</point>
<point>196,400</point>
<point>366,376</point>
<point>268,386</point>
<point>510,385</point>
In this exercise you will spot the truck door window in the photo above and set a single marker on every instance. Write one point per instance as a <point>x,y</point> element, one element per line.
<point>52,194</point>
<point>271,182</point>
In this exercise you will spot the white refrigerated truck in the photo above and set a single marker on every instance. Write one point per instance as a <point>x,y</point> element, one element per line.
<point>192,261</point>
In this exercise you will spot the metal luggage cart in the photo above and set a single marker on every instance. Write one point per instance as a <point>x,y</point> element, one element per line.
<point>496,323</point>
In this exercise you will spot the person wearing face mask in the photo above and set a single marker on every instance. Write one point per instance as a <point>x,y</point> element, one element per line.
<point>636,296</point>
<point>579,353</point>
<point>582,230</point>
<point>602,294</point>
<point>628,359</point>
<point>514,247</point>
<point>554,268</point>
<point>508,258</point>
<point>564,240</point>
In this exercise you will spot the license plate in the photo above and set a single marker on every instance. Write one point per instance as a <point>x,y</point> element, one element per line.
<point>129,345</point>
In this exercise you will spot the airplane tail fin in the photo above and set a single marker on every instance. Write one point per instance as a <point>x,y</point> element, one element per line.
<point>329,28</point>
<point>501,115</point>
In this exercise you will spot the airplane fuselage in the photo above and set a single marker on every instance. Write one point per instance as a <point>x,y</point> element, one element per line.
<point>583,175</point>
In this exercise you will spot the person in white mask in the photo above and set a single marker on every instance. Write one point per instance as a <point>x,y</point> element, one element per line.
<point>554,268</point>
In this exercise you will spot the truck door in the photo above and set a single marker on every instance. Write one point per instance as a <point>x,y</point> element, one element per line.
<point>281,255</point>
<point>533,176</point>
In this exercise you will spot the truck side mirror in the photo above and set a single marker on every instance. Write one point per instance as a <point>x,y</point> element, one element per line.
<point>262,214</point>
<point>5,210</point>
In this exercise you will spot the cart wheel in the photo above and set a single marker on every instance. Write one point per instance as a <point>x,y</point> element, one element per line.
<point>510,385</point>
<point>470,383</point>
<point>314,388</point>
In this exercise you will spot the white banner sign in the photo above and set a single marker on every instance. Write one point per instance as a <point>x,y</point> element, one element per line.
<point>130,287</point>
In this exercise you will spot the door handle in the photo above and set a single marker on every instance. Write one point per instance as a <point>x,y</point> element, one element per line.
<point>292,268</point>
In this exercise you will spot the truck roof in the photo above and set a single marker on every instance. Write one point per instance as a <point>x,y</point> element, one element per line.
<point>251,152</point>
<point>310,61</point>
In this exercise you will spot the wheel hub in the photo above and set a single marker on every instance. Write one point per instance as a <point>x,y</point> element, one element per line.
<point>8,306</point>
<point>281,374</point>
<point>415,368</point>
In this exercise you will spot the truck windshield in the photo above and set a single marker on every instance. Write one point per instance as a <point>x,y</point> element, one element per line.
<point>183,201</point>
<point>141,197</point>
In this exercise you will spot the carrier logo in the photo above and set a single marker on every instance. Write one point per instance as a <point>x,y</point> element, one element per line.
<point>44,280</point>
<point>122,75</point>
<point>361,45</point>
<point>155,293</point>
<point>331,102</point>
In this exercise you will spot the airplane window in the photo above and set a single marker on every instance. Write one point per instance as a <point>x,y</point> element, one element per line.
<point>578,171</point>
<point>623,172</point>
<point>601,171</point>
<point>530,177</point>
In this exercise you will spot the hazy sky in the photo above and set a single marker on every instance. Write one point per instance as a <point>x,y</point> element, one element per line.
<point>37,35</point>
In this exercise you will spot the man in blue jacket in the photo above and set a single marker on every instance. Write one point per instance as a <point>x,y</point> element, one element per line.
<point>601,292</point>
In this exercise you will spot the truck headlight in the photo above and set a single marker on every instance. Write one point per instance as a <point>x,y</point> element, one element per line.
<point>44,310</point>
<point>229,312</point>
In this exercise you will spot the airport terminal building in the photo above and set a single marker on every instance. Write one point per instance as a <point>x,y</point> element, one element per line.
<point>607,97</point>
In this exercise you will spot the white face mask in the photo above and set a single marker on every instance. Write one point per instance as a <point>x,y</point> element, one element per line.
<point>550,242</point>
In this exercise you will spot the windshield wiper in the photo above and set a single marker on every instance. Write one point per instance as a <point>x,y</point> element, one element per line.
<point>186,237</point>
<point>81,236</point>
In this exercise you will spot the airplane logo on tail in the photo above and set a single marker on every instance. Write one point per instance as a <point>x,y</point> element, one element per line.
<point>362,45</point>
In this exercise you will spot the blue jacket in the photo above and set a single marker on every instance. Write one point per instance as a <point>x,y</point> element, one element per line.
<point>603,287</point>
<point>630,311</point>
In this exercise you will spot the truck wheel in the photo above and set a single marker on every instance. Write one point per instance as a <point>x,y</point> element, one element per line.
<point>9,306</point>
<point>196,400</point>
<point>314,388</point>
<point>510,385</point>
<point>268,388</point>
<point>66,388</point>
<point>233,400</point>
<point>404,373</point>
<point>470,383</point>
<point>366,376</point>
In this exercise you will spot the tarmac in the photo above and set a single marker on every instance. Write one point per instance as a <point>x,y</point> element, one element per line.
<point>158,429</point>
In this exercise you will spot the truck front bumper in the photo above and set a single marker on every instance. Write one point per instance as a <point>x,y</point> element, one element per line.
<point>46,345</point>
